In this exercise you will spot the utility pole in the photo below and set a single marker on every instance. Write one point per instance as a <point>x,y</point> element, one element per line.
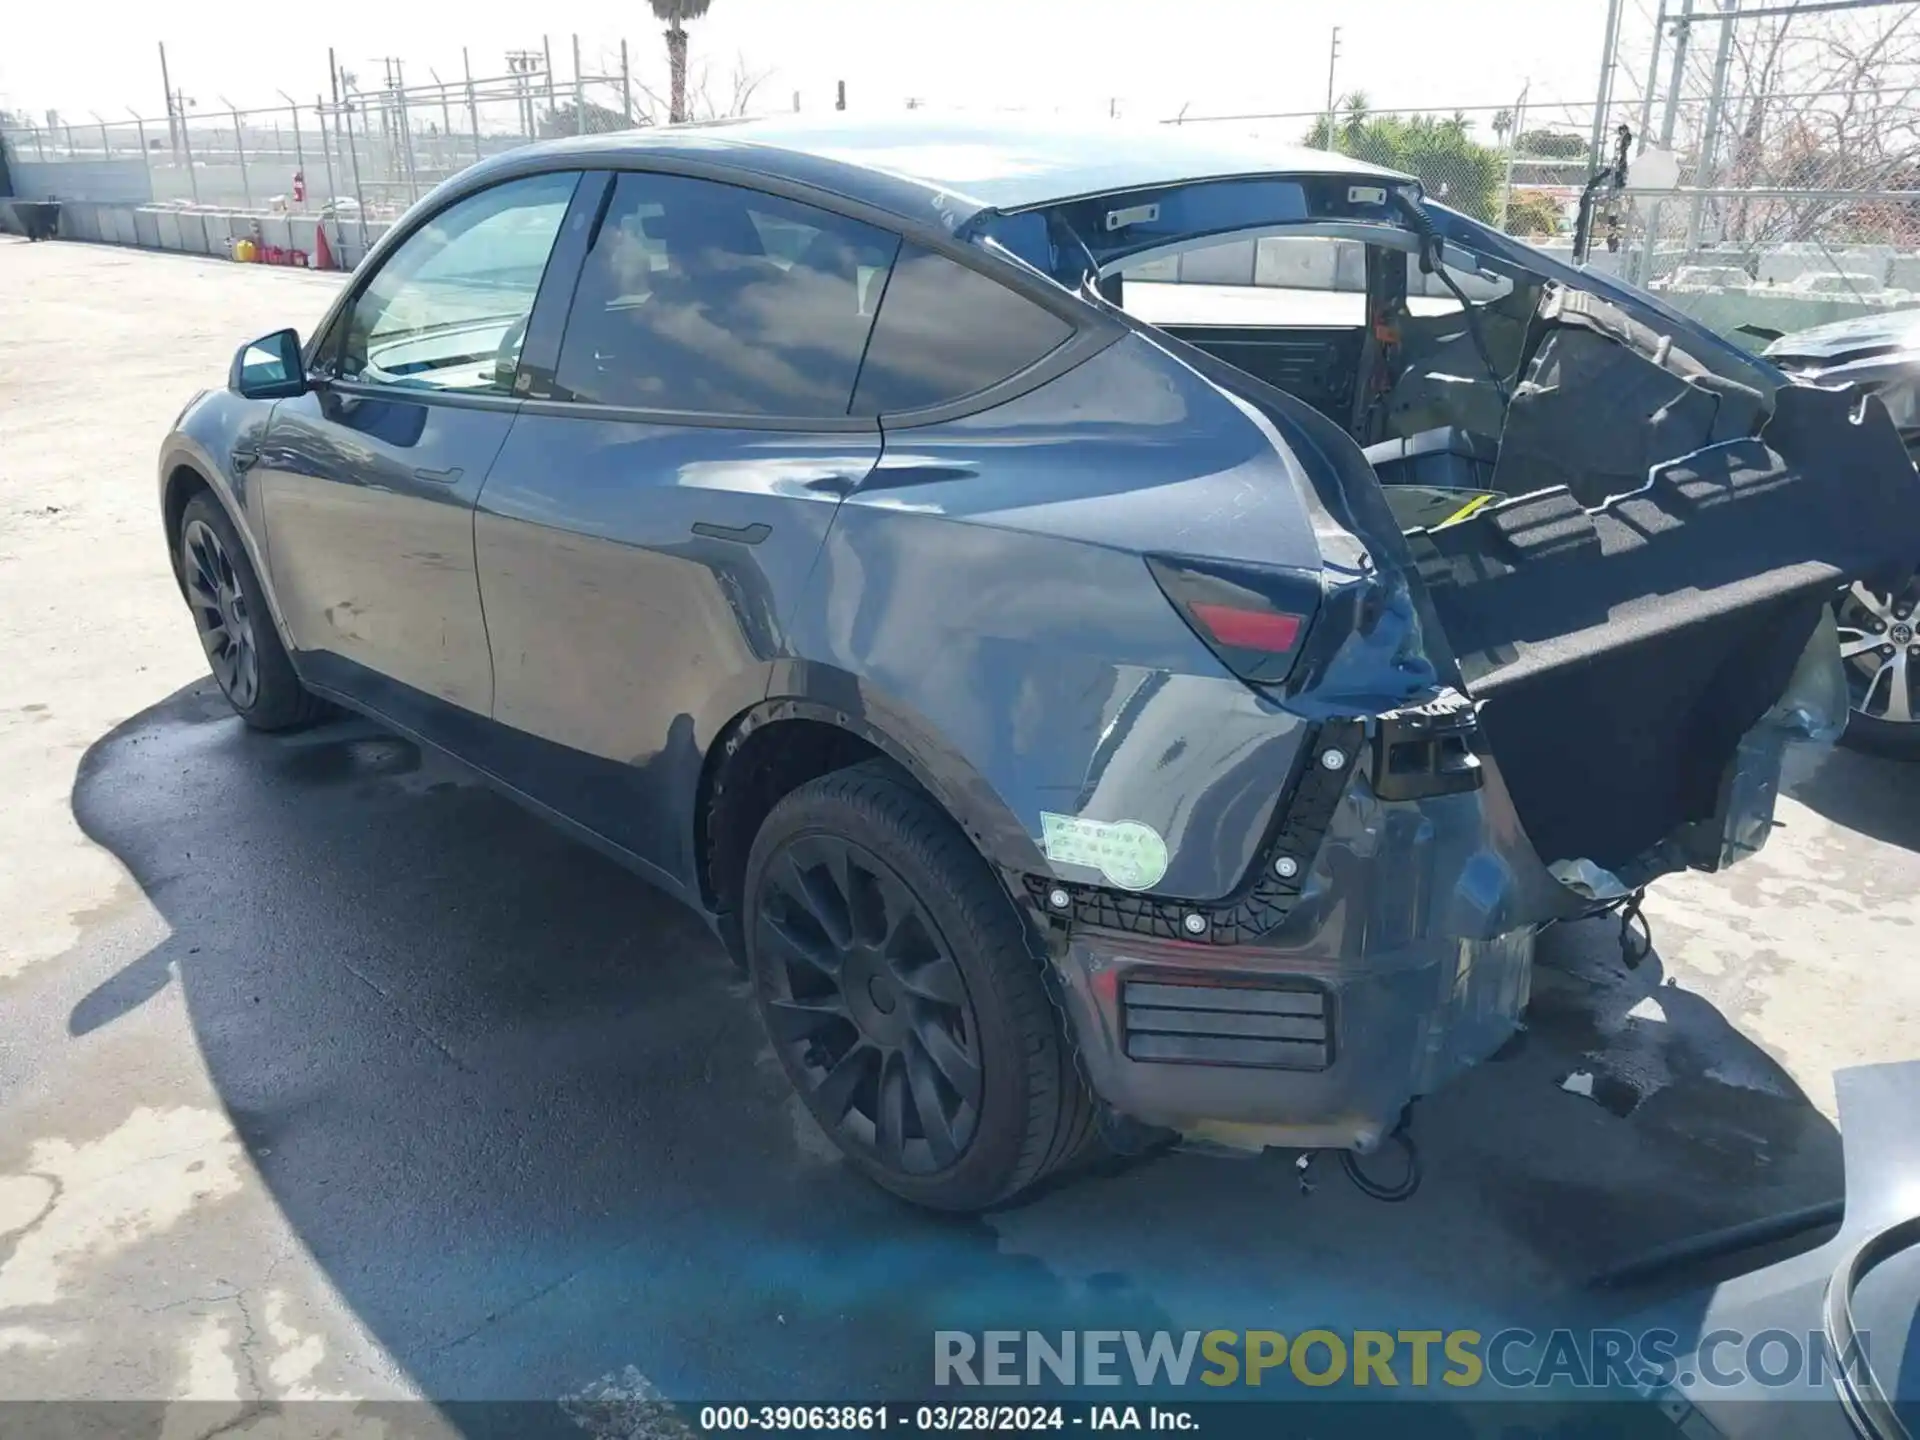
<point>473,110</point>
<point>1604,98</point>
<point>1333,60</point>
<point>1513,147</point>
<point>166,88</point>
<point>1653,74</point>
<point>1710,134</point>
<point>1676,77</point>
<point>626,87</point>
<point>579,91</point>
<point>523,64</point>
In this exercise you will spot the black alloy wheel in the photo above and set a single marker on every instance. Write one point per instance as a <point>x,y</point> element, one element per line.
<point>221,613</point>
<point>863,994</point>
<point>236,628</point>
<point>906,996</point>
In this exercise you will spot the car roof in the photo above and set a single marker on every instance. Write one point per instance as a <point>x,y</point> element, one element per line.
<point>950,168</point>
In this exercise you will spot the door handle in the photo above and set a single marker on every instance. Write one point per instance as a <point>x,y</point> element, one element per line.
<point>745,534</point>
<point>243,457</point>
<point>449,476</point>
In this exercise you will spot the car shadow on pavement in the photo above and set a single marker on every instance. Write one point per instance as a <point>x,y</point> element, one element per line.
<point>517,1107</point>
<point>1874,794</point>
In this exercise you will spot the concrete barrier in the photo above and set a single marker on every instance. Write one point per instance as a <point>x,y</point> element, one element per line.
<point>79,220</point>
<point>193,232</point>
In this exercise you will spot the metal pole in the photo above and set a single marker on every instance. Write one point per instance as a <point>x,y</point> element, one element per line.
<point>186,149</point>
<point>579,92</point>
<point>1682,37</point>
<point>1333,60</point>
<point>166,87</point>
<point>1605,94</point>
<point>1513,146</point>
<point>626,86</point>
<point>546,49</point>
<point>146,156</point>
<point>446,124</point>
<point>299,147</point>
<point>1710,133</point>
<point>473,110</point>
<point>240,152</point>
<point>353,155</point>
<point>1653,73</point>
<point>333,193</point>
<point>406,130</point>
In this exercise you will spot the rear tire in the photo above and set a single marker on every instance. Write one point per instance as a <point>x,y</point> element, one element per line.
<point>235,626</point>
<point>1881,649</point>
<point>904,995</point>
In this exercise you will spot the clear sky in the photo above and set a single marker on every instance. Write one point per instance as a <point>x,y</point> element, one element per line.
<point>1149,59</point>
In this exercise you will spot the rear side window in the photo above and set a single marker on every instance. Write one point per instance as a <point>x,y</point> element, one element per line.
<point>709,298</point>
<point>946,332</point>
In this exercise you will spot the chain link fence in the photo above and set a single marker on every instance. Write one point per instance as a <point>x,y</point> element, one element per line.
<point>356,157</point>
<point>1795,141</point>
<point>1795,155</point>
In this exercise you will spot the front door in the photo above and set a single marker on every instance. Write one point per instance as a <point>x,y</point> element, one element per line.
<point>369,480</point>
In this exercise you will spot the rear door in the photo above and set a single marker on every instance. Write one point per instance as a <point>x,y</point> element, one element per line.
<point>666,489</point>
<point>369,479</point>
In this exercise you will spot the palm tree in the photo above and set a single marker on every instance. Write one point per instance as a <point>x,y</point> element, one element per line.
<point>674,12</point>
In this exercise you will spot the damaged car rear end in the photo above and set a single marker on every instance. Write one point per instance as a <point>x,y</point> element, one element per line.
<point>1309,670</point>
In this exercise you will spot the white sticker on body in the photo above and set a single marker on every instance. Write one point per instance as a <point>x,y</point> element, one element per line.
<point>1131,855</point>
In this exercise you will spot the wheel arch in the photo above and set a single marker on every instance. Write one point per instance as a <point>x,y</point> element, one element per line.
<point>773,747</point>
<point>183,481</point>
<point>186,470</point>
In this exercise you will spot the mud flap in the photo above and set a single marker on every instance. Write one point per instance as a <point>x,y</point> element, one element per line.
<point>1622,653</point>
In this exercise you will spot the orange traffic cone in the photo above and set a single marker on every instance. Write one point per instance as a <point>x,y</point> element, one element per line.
<point>322,252</point>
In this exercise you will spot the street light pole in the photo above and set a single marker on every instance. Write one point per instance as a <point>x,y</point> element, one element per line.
<point>1333,59</point>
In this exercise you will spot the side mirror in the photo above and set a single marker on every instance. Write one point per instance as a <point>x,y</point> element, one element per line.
<point>269,368</point>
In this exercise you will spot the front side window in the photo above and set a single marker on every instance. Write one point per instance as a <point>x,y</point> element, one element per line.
<point>708,298</point>
<point>448,309</point>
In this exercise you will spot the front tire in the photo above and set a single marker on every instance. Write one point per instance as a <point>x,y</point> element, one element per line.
<point>235,626</point>
<point>903,995</point>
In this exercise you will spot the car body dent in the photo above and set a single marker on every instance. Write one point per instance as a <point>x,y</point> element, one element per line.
<point>1007,605</point>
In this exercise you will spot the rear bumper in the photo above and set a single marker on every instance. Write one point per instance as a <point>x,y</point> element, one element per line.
<point>1400,955</point>
<point>1365,1038</point>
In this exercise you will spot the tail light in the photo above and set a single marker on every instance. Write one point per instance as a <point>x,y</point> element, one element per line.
<point>1254,618</point>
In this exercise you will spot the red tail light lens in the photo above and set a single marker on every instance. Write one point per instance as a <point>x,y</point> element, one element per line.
<point>1255,619</point>
<point>1272,631</point>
